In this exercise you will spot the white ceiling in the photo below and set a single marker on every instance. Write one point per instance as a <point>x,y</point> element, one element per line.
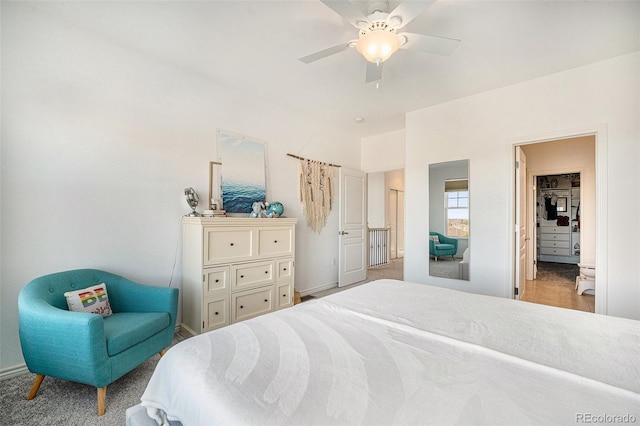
<point>255,45</point>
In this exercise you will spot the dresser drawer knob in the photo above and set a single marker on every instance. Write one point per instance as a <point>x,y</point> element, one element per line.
<point>241,276</point>
<point>266,300</point>
<point>231,244</point>
<point>284,295</point>
<point>284,269</point>
<point>216,313</point>
<point>241,306</point>
<point>266,272</point>
<point>217,281</point>
<point>275,241</point>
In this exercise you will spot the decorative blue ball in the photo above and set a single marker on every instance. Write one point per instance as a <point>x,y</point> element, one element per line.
<point>277,208</point>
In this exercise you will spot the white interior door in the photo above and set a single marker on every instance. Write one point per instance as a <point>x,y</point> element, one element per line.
<point>396,222</point>
<point>531,227</point>
<point>353,224</point>
<point>400,225</point>
<point>392,222</point>
<point>521,222</point>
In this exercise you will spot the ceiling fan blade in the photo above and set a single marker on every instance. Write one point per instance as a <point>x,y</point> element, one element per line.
<point>347,10</point>
<point>430,44</point>
<point>326,52</point>
<point>407,10</point>
<point>374,72</point>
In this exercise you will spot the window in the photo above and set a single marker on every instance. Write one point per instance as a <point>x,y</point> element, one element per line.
<point>457,207</point>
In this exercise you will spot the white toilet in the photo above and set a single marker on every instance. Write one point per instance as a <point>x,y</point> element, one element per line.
<point>587,278</point>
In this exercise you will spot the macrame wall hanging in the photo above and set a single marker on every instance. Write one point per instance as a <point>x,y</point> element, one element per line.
<point>316,191</point>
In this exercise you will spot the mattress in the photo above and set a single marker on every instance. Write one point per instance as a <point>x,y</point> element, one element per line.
<point>394,352</point>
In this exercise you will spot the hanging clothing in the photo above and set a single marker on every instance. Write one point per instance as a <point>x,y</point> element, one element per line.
<point>551,208</point>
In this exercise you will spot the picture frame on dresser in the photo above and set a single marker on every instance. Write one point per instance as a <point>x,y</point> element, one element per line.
<point>215,187</point>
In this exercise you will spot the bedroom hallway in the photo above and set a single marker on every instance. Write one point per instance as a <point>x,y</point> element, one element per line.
<point>555,286</point>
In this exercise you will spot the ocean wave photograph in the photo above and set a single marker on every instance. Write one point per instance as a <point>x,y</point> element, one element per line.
<point>238,197</point>
<point>243,177</point>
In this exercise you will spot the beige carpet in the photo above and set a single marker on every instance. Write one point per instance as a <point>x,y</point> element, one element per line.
<point>445,267</point>
<point>60,402</point>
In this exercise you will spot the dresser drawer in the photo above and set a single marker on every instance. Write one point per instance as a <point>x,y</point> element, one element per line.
<point>556,244</point>
<point>249,275</point>
<point>247,304</point>
<point>215,313</point>
<point>284,269</point>
<point>556,251</point>
<point>555,229</point>
<point>284,295</point>
<point>227,245</point>
<point>555,237</point>
<point>215,280</point>
<point>275,242</point>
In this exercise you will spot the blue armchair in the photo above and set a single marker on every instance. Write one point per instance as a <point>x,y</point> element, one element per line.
<point>444,247</point>
<point>87,348</point>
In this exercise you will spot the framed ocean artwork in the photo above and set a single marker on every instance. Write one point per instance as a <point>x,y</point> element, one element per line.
<point>243,171</point>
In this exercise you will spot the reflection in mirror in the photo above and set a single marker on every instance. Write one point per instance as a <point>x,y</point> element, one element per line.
<point>449,220</point>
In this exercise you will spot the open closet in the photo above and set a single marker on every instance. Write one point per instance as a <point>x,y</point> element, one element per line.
<point>558,218</point>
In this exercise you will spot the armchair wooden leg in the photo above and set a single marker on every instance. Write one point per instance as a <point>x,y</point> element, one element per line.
<point>102,400</point>
<point>162,352</point>
<point>36,385</point>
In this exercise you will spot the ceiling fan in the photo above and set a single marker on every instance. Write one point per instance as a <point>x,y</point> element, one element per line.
<point>378,38</point>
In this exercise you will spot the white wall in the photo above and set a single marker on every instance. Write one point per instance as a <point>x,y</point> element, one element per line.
<point>394,179</point>
<point>376,200</point>
<point>99,142</point>
<point>382,157</point>
<point>485,127</point>
<point>383,152</point>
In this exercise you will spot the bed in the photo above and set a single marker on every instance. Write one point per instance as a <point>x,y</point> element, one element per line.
<point>394,352</point>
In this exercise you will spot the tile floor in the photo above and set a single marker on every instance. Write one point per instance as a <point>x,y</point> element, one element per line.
<point>557,290</point>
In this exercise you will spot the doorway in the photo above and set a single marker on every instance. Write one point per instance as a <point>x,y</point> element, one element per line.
<point>554,245</point>
<point>385,202</point>
<point>395,212</point>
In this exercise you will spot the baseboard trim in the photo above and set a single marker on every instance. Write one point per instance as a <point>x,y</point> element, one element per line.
<point>15,371</point>
<point>319,288</point>
<point>185,331</point>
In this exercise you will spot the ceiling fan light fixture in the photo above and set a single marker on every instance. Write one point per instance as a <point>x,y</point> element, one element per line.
<point>378,45</point>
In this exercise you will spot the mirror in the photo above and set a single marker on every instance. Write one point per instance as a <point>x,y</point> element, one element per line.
<point>449,231</point>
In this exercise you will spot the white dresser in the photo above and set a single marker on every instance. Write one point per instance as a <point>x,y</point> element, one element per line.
<point>559,244</point>
<point>555,240</point>
<point>235,268</point>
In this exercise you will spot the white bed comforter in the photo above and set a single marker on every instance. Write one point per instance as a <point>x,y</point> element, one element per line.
<point>393,352</point>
